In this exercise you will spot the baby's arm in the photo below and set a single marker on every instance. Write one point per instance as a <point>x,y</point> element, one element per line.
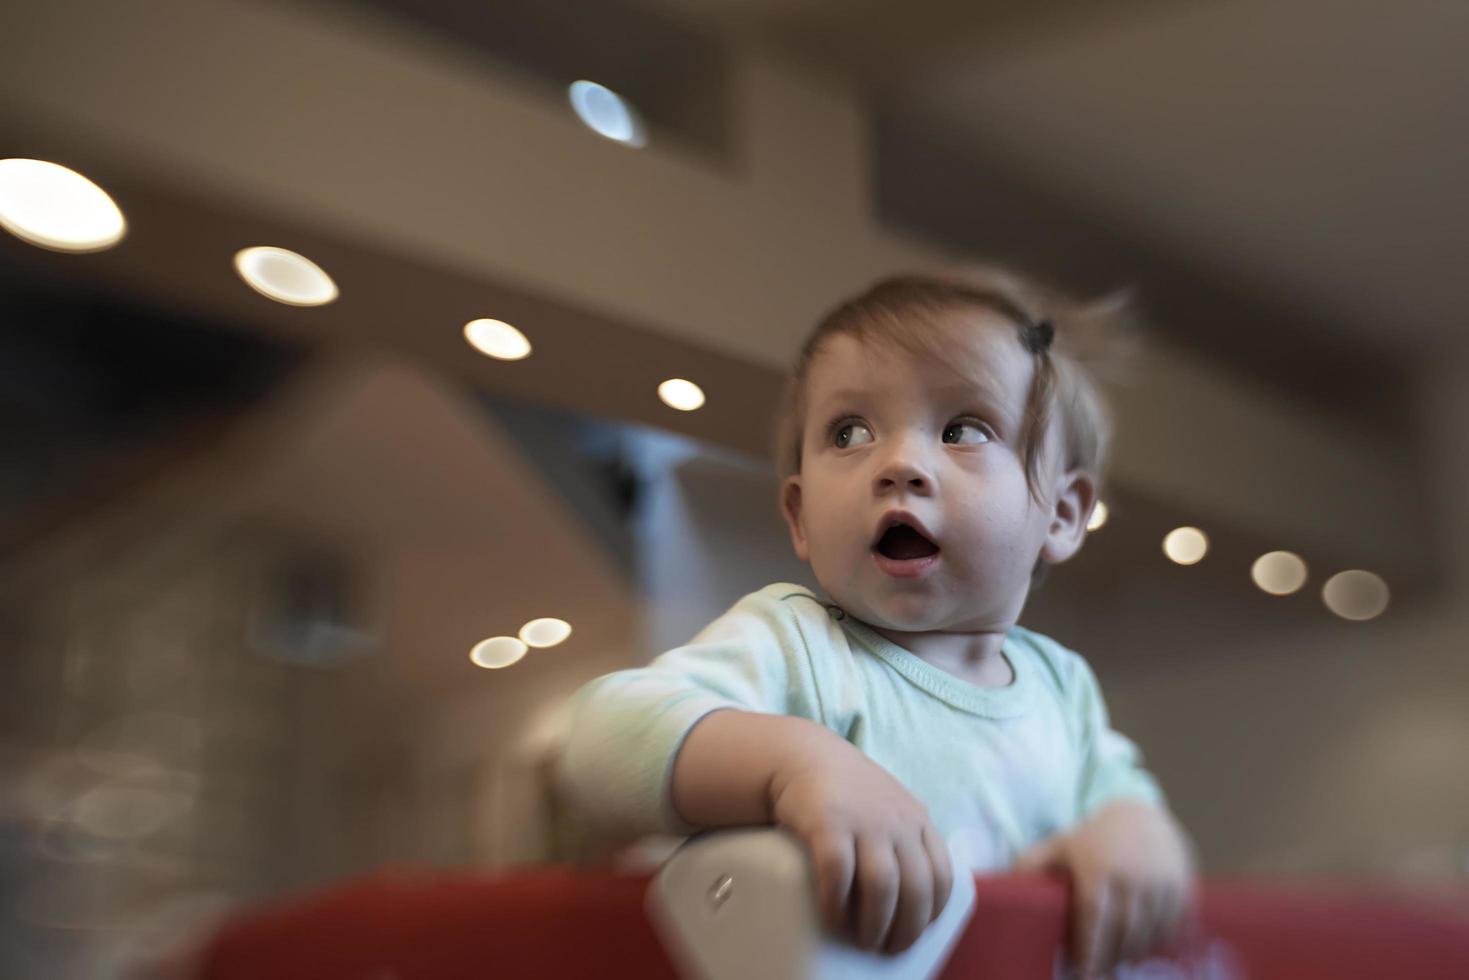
<point>728,731</point>
<point>1131,864</point>
<point>883,871</point>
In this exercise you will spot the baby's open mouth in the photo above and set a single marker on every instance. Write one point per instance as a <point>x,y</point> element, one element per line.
<point>902,543</point>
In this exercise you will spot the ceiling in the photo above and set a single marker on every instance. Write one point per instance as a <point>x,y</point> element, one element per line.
<point>1278,180</point>
<point>1300,158</point>
<point>1306,148</point>
<point>979,147</point>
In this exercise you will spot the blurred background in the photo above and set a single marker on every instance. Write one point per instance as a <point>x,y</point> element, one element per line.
<point>249,540</point>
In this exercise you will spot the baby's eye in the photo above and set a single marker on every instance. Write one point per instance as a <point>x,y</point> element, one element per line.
<point>965,434</point>
<point>851,434</point>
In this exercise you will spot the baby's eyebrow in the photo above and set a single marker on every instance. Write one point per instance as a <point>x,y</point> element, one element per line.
<point>984,396</point>
<point>969,390</point>
<point>844,395</point>
<point>958,389</point>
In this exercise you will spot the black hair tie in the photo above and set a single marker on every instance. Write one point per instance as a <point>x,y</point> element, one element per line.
<point>1037,336</point>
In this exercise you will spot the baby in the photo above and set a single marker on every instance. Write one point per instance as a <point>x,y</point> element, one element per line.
<point>941,444</point>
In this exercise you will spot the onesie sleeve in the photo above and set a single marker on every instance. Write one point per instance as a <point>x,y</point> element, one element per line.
<point>628,726</point>
<point>1111,765</point>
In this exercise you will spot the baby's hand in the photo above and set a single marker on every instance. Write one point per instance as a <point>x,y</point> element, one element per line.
<point>883,871</point>
<point>1132,879</point>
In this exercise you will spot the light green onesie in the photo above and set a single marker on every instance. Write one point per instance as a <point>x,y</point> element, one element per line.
<point>998,768</point>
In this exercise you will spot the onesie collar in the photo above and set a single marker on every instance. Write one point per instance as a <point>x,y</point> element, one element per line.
<point>1010,701</point>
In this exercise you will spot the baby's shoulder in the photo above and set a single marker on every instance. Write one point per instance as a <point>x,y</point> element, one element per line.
<point>784,592</point>
<point>783,628</point>
<point>786,601</point>
<point>783,613</point>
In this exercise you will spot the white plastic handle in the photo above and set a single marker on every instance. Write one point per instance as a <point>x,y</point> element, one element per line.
<point>741,905</point>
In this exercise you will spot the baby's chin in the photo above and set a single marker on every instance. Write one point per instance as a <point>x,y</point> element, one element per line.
<point>907,614</point>
<point>920,610</point>
<point>907,624</point>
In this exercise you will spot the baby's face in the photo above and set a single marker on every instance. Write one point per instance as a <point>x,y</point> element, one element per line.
<point>890,437</point>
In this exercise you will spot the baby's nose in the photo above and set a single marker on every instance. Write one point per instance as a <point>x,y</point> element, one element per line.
<point>904,473</point>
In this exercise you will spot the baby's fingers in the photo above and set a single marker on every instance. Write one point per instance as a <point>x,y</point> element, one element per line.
<point>1140,909</point>
<point>1095,939</point>
<point>834,858</point>
<point>877,891</point>
<point>1174,913</point>
<point>915,896</point>
<point>943,869</point>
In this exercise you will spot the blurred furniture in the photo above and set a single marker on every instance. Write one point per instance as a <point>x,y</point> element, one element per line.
<point>560,922</point>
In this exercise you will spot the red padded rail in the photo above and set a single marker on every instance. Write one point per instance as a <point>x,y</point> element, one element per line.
<point>556,922</point>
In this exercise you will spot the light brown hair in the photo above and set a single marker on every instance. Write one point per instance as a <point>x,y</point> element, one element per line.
<point>910,311</point>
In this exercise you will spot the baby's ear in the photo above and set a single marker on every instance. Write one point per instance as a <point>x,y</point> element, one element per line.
<point>790,509</point>
<point>1076,495</point>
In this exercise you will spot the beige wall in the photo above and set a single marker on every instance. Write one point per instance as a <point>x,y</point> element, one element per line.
<point>1342,750</point>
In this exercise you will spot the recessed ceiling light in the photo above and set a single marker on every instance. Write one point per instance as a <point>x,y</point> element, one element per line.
<point>1186,545</point>
<point>284,276</point>
<point>497,339</point>
<point>1355,595</point>
<point>680,394</point>
<point>547,632</point>
<point>1098,518</point>
<point>606,113</point>
<point>54,207</point>
<point>497,652</point>
<point>1279,572</point>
